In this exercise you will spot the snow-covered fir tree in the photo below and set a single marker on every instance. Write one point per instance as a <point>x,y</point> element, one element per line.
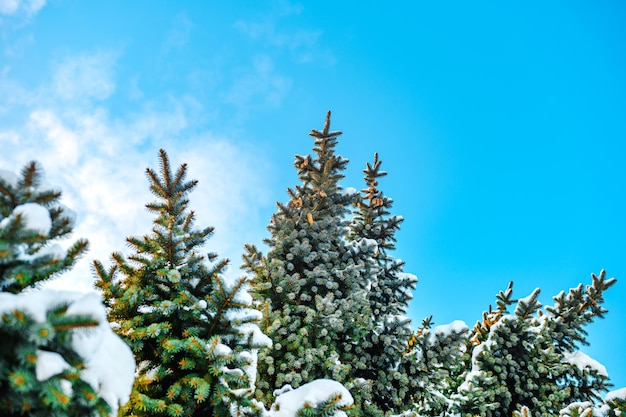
<point>55,345</point>
<point>193,333</point>
<point>526,361</point>
<point>388,290</point>
<point>308,285</point>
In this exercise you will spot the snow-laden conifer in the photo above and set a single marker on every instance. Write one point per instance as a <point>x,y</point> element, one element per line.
<point>527,360</point>
<point>193,333</point>
<point>309,284</point>
<point>58,356</point>
<point>388,291</point>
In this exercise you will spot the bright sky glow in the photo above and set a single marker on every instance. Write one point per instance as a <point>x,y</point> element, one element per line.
<point>501,126</point>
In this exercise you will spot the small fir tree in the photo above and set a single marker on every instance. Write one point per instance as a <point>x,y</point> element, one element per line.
<point>193,333</point>
<point>526,362</point>
<point>435,364</point>
<point>308,284</point>
<point>389,291</point>
<point>31,222</point>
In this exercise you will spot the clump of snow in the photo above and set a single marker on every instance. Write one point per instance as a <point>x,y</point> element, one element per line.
<point>526,300</point>
<point>364,245</point>
<point>282,390</point>
<point>9,178</point>
<point>242,296</point>
<point>251,359</point>
<point>55,251</point>
<point>69,214</point>
<point>109,362</point>
<point>349,191</point>
<point>312,394</point>
<point>407,276</point>
<point>34,217</point>
<point>619,394</point>
<point>257,337</point>
<point>476,369</point>
<point>222,350</point>
<point>242,315</point>
<point>445,330</point>
<point>576,407</point>
<point>49,364</point>
<point>583,361</point>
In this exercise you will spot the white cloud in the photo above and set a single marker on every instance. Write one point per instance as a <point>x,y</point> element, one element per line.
<point>9,137</point>
<point>98,158</point>
<point>63,140</point>
<point>86,76</point>
<point>9,6</point>
<point>30,7</point>
<point>232,186</point>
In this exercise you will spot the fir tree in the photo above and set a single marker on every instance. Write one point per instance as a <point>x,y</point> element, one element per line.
<point>193,333</point>
<point>389,291</point>
<point>308,284</point>
<point>526,362</point>
<point>31,222</point>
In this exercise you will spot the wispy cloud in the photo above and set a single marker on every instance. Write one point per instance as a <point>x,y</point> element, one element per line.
<point>179,33</point>
<point>29,7</point>
<point>98,157</point>
<point>89,75</point>
<point>261,81</point>
<point>271,30</point>
<point>268,32</point>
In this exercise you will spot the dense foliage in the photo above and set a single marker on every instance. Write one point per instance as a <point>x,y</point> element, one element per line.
<point>317,328</point>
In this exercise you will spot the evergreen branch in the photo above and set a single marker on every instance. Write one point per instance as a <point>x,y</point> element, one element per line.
<point>180,176</point>
<point>166,174</point>
<point>67,323</point>
<point>76,251</point>
<point>155,185</point>
<point>6,190</point>
<point>189,221</point>
<point>45,198</point>
<point>31,176</point>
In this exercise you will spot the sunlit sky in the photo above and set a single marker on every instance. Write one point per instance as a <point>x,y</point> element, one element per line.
<point>502,127</point>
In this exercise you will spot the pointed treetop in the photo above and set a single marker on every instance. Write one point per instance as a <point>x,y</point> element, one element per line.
<point>325,133</point>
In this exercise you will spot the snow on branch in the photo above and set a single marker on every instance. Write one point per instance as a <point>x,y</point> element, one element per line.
<point>319,393</point>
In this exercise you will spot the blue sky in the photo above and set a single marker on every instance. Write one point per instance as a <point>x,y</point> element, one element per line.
<point>501,125</point>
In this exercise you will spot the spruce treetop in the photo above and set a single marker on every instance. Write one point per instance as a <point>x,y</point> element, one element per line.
<point>32,219</point>
<point>388,290</point>
<point>307,285</point>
